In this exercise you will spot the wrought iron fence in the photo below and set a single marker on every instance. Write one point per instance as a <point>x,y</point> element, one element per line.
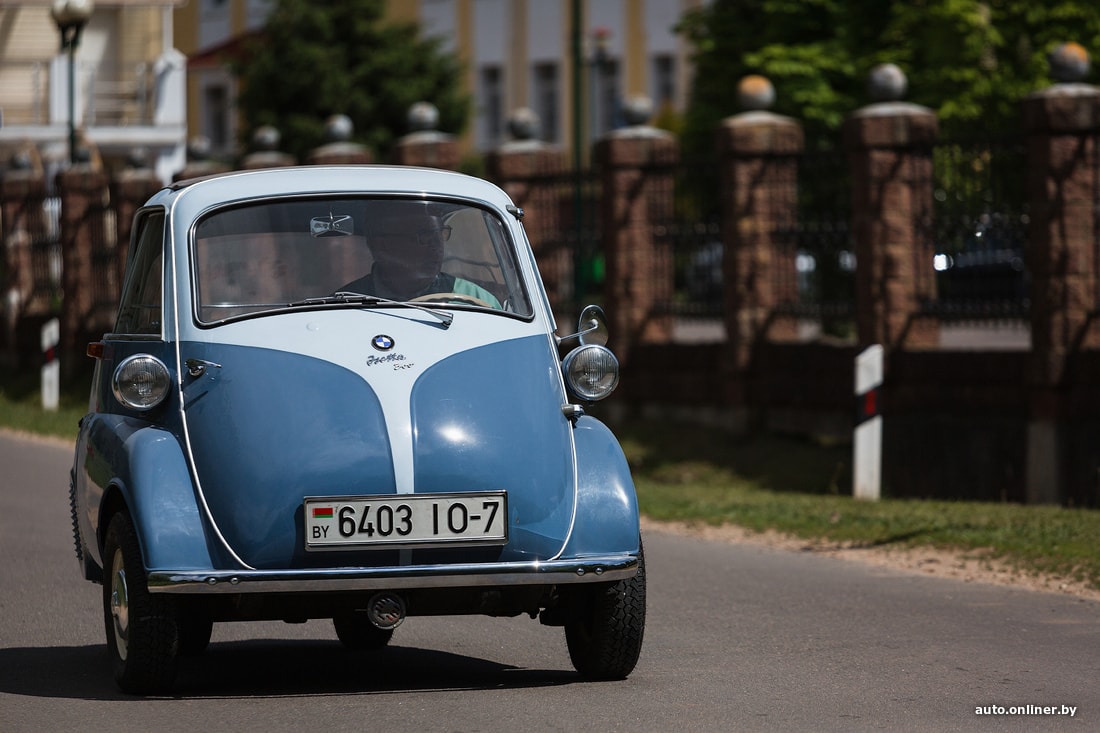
<point>980,231</point>
<point>825,260</point>
<point>45,247</point>
<point>563,223</point>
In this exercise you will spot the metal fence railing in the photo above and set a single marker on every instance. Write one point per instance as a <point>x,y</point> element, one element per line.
<point>980,231</point>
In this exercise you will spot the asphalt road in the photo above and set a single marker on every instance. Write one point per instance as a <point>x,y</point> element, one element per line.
<point>739,638</point>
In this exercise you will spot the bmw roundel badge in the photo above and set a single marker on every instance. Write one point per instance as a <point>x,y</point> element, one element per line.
<point>382,342</point>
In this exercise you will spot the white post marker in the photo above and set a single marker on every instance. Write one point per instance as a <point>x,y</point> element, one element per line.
<point>867,441</point>
<point>51,367</point>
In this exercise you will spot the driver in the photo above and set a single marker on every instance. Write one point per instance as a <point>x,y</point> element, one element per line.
<point>406,241</point>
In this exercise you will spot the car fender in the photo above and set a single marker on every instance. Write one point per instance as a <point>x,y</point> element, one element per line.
<point>607,518</point>
<point>154,483</point>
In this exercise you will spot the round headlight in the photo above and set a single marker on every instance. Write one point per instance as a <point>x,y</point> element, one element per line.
<point>591,372</point>
<point>141,382</point>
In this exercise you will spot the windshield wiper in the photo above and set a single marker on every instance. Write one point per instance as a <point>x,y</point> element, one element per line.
<point>343,297</point>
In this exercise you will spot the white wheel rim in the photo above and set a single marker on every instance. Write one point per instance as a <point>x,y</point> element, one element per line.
<point>120,605</point>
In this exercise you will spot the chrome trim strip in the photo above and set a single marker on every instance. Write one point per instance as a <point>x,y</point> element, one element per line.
<point>554,572</point>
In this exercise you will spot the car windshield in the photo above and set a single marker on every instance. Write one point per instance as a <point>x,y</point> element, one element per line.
<point>279,254</point>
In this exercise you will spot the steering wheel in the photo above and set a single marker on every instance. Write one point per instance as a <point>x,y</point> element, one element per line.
<point>451,298</point>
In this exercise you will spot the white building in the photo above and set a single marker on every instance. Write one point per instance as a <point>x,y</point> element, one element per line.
<point>128,91</point>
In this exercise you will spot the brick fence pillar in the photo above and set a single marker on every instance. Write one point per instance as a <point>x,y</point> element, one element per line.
<point>759,153</point>
<point>83,190</point>
<point>198,162</point>
<point>266,154</point>
<point>889,146</point>
<point>636,167</point>
<point>1062,125</point>
<point>426,146</point>
<point>529,171</point>
<point>340,150</point>
<point>22,194</point>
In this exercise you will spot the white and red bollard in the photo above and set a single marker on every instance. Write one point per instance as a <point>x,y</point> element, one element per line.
<point>51,367</point>
<point>867,441</point>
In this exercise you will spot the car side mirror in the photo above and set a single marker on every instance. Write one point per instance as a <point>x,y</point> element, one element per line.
<point>591,327</point>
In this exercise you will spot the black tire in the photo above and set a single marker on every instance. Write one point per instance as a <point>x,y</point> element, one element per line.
<point>605,642</point>
<point>142,638</point>
<point>356,632</point>
<point>194,633</point>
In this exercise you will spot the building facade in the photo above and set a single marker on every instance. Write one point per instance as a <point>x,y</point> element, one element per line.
<point>517,54</point>
<point>127,91</point>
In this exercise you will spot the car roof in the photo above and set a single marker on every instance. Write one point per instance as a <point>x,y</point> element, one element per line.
<point>192,196</point>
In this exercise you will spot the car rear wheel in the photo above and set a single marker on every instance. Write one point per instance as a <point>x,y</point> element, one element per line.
<point>606,639</point>
<point>142,638</point>
<point>356,632</point>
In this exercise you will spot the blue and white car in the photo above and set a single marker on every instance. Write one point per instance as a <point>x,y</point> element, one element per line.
<point>281,427</point>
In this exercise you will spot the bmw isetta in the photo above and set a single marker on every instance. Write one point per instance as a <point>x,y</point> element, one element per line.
<point>338,393</point>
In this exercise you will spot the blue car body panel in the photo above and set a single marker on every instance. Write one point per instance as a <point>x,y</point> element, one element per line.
<point>317,429</point>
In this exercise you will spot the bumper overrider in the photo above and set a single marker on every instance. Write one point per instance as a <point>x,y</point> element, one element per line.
<point>598,569</point>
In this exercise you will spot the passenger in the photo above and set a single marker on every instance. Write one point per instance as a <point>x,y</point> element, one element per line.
<point>407,242</point>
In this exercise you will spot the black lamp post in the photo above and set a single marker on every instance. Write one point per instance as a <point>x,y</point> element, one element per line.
<point>71,16</point>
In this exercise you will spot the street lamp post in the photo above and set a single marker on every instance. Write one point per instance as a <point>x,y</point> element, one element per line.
<point>71,16</point>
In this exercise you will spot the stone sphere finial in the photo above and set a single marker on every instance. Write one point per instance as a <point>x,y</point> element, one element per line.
<point>338,128</point>
<point>887,83</point>
<point>524,124</point>
<point>1069,63</point>
<point>423,116</point>
<point>21,160</point>
<point>198,147</point>
<point>637,110</point>
<point>755,93</point>
<point>137,157</point>
<point>266,137</point>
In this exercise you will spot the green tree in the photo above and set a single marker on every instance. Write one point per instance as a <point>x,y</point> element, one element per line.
<point>971,61</point>
<point>313,60</point>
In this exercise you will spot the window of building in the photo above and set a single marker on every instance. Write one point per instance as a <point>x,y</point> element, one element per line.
<point>491,108</point>
<point>547,100</point>
<point>606,112</point>
<point>215,123</point>
<point>664,81</point>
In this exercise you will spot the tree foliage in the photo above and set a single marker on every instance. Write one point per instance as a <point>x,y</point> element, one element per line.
<point>314,60</point>
<point>971,61</point>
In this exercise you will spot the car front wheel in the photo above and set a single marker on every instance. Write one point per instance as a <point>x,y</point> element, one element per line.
<point>606,639</point>
<point>142,637</point>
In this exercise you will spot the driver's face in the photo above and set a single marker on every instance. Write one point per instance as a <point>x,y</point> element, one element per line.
<point>408,256</point>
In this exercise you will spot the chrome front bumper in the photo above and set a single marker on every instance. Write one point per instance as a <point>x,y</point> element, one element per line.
<point>552,572</point>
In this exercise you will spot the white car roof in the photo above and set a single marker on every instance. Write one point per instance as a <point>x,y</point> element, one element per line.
<point>190,198</point>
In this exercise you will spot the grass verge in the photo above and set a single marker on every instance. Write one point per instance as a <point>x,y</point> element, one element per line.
<point>690,473</point>
<point>21,405</point>
<point>687,473</point>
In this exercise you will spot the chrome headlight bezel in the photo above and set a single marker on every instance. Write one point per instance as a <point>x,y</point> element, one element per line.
<point>591,372</point>
<point>141,382</point>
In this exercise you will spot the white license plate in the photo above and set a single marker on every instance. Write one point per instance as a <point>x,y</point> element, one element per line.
<point>473,518</point>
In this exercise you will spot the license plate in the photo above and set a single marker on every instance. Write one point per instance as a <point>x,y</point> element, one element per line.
<point>473,518</point>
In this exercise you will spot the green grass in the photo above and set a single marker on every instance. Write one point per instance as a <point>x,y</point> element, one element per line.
<point>687,473</point>
<point>691,473</point>
<point>21,405</point>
